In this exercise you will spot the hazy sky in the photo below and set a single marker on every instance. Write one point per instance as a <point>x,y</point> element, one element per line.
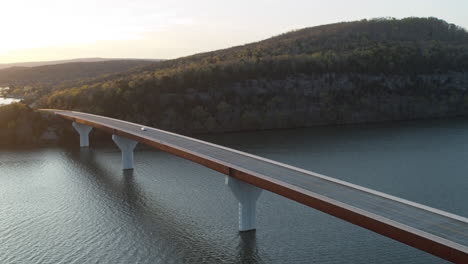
<point>35,30</point>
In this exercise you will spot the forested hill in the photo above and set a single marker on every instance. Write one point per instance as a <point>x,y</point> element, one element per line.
<point>353,41</point>
<point>51,75</point>
<point>362,71</point>
<point>54,62</point>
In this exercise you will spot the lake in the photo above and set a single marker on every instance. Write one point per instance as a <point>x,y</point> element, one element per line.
<point>66,205</point>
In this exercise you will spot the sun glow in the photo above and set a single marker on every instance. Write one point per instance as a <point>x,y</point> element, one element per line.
<point>49,23</point>
<point>63,29</point>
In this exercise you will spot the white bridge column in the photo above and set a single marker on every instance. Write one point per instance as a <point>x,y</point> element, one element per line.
<point>247,196</point>
<point>83,130</point>
<point>126,146</point>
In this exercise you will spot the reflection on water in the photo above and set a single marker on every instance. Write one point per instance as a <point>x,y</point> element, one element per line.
<point>62,205</point>
<point>247,248</point>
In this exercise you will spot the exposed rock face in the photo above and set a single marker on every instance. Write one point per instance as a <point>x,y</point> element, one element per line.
<point>321,99</point>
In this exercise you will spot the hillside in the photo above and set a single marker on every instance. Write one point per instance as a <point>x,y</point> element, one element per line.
<point>350,72</point>
<point>43,63</point>
<point>52,75</point>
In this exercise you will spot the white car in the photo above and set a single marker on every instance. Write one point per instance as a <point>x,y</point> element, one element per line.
<point>143,128</point>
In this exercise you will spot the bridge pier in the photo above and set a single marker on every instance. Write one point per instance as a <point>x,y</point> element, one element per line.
<point>247,195</point>
<point>126,146</point>
<point>83,130</point>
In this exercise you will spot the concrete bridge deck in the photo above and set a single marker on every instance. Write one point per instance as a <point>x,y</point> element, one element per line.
<point>434,231</point>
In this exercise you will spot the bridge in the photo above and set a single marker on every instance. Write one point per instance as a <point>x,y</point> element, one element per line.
<point>437,232</point>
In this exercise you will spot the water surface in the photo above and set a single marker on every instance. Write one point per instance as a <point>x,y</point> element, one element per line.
<point>66,205</point>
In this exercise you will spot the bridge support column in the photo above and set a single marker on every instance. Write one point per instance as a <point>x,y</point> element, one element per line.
<point>126,147</point>
<point>83,130</point>
<point>247,195</point>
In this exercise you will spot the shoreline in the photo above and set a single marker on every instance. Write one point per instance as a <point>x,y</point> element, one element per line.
<point>103,139</point>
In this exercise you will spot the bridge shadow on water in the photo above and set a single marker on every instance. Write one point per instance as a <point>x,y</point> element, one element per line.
<point>170,240</point>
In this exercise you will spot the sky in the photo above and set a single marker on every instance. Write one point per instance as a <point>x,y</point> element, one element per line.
<point>65,29</point>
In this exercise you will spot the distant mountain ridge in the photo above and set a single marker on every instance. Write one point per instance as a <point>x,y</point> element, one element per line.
<point>73,73</point>
<point>54,62</point>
